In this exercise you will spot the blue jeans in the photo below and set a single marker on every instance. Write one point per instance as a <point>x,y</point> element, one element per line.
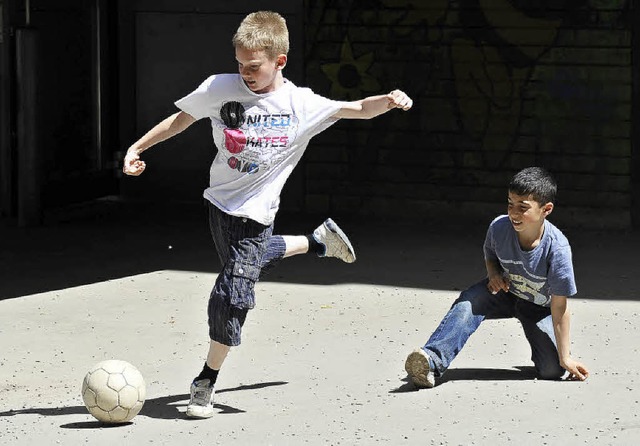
<point>477,304</point>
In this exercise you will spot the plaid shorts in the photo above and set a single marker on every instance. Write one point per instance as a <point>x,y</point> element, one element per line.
<point>247,250</point>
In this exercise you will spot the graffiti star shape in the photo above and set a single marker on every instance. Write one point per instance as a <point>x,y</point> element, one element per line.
<point>349,77</point>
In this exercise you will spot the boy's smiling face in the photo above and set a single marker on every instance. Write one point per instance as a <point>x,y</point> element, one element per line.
<point>525,213</point>
<point>259,72</point>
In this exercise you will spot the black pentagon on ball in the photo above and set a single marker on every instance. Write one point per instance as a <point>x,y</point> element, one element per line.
<point>232,114</point>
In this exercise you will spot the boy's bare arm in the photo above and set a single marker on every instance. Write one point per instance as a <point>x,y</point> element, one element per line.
<point>167,128</point>
<point>561,323</point>
<point>373,106</point>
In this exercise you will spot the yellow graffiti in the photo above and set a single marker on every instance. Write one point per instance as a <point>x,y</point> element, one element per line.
<point>349,77</point>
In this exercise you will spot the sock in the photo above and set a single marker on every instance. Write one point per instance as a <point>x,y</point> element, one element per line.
<point>208,373</point>
<point>314,246</point>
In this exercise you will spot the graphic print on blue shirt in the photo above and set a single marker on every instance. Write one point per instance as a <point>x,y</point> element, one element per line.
<point>532,288</point>
<point>255,139</point>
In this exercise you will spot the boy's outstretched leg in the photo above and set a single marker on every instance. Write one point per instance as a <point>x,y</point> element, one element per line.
<point>327,240</point>
<point>474,305</point>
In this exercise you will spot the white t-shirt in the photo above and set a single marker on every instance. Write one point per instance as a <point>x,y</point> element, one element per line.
<point>260,139</point>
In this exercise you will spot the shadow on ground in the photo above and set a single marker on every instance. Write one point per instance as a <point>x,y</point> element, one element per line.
<point>166,407</point>
<point>110,240</point>
<point>518,373</point>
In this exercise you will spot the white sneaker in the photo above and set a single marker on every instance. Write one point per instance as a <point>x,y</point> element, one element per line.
<point>335,242</point>
<point>419,370</point>
<point>201,402</point>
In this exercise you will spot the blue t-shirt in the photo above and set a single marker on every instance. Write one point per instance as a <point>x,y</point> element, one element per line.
<point>537,274</point>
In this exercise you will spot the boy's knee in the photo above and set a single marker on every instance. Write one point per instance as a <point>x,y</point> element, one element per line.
<point>465,296</point>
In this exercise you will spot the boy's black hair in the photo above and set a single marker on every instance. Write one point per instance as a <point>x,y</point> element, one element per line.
<point>537,182</point>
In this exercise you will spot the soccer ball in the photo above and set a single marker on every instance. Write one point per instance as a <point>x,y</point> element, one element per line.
<point>113,391</point>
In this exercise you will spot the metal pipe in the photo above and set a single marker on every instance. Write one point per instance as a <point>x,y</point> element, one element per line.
<point>98,87</point>
<point>30,161</point>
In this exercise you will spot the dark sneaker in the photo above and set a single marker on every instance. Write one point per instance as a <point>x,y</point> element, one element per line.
<point>335,242</point>
<point>419,370</point>
<point>201,402</point>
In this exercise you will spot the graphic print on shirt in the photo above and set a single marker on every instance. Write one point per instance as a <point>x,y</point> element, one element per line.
<point>255,139</point>
<point>524,287</point>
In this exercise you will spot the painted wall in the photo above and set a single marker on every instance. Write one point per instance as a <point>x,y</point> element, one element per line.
<point>498,85</point>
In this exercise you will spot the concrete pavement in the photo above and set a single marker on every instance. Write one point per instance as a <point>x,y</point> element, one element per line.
<point>323,352</point>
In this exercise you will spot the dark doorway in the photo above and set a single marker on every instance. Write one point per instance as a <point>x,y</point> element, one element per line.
<point>57,64</point>
<point>75,99</point>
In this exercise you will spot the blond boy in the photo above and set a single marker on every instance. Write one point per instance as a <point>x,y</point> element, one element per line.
<point>261,124</point>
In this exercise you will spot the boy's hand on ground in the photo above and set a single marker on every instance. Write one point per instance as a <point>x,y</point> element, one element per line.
<point>497,282</point>
<point>133,165</point>
<point>399,99</point>
<point>577,370</point>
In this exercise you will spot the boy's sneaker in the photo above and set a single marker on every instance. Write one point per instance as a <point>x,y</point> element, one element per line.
<point>335,242</point>
<point>419,370</point>
<point>201,402</point>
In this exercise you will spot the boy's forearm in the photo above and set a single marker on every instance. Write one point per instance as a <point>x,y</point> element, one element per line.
<point>374,106</point>
<point>561,318</point>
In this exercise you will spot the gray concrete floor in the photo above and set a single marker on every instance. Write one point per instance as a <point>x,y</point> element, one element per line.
<point>323,352</point>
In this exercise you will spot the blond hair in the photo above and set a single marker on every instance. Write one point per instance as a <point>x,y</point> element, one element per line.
<point>263,30</point>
